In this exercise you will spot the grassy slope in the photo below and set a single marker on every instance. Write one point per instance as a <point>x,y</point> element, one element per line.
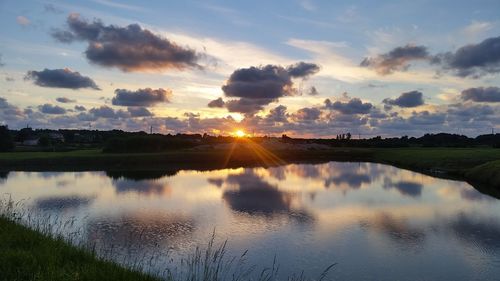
<point>29,255</point>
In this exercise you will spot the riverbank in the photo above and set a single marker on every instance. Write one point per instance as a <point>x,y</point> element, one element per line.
<point>30,255</point>
<point>478,166</point>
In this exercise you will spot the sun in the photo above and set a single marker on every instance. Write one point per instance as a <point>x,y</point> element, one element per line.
<point>239,133</point>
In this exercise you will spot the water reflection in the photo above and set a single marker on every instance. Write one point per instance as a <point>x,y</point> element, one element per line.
<point>409,188</point>
<point>62,203</point>
<point>3,176</point>
<point>397,224</point>
<point>140,175</point>
<point>140,230</point>
<point>250,193</point>
<point>397,229</point>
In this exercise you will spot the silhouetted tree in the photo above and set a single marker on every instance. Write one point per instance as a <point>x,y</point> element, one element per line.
<point>6,143</point>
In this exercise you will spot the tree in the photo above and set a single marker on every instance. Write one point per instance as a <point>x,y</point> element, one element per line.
<point>6,143</point>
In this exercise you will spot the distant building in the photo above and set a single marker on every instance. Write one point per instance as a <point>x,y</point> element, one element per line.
<point>58,137</point>
<point>31,142</point>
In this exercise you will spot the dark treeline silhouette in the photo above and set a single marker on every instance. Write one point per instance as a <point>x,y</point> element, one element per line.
<point>118,141</point>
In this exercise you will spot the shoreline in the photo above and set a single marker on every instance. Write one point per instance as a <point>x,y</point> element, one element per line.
<point>480,167</point>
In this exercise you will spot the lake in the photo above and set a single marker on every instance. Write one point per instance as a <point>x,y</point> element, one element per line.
<point>375,221</point>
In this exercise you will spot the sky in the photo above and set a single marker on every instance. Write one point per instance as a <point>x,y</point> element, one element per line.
<point>305,68</point>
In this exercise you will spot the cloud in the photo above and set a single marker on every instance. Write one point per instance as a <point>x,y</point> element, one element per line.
<point>139,112</point>
<point>216,103</point>
<point>307,114</point>
<point>65,100</point>
<point>141,97</point>
<point>51,109</point>
<point>129,48</point>
<point>247,106</point>
<point>473,60</point>
<point>482,94</point>
<point>23,21</point>
<point>302,69</point>
<point>312,91</point>
<point>408,99</point>
<point>397,59</point>
<point>477,27</point>
<point>107,112</point>
<point>257,87</point>
<point>353,106</point>
<point>61,78</point>
<point>308,5</point>
<point>80,108</point>
<point>277,114</point>
<point>51,8</point>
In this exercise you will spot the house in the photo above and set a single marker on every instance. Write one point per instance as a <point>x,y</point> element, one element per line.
<point>31,141</point>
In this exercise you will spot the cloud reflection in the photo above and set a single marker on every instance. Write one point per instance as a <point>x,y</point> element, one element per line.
<point>407,188</point>
<point>63,202</point>
<point>249,193</point>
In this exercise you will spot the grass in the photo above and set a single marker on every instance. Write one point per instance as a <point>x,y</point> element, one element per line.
<point>29,255</point>
<point>33,247</point>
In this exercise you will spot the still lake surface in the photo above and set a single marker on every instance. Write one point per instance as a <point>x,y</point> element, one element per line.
<point>377,222</point>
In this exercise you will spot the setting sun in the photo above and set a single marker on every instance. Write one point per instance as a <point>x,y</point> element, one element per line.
<point>240,134</point>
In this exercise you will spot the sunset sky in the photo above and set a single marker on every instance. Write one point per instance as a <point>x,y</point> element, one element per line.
<point>306,68</point>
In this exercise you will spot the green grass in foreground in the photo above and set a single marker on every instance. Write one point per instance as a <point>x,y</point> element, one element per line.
<point>28,255</point>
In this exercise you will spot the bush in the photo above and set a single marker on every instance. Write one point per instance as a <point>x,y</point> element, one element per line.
<point>141,144</point>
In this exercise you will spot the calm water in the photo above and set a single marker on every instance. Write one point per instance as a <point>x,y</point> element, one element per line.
<point>377,222</point>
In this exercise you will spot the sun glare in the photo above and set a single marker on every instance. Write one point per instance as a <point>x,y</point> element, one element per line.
<point>240,134</point>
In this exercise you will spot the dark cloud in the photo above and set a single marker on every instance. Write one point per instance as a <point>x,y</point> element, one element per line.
<point>141,97</point>
<point>278,114</point>
<point>408,99</point>
<point>473,60</point>
<point>313,92</point>
<point>80,108</point>
<point>61,78</point>
<point>307,114</point>
<point>397,59</point>
<point>247,106</point>
<point>257,87</point>
<point>51,109</point>
<point>482,94</point>
<point>139,112</point>
<point>353,106</point>
<point>129,48</point>
<point>267,82</point>
<point>216,103</point>
<point>302,69</point>
<point>65,100</point>
<point>107,112</point>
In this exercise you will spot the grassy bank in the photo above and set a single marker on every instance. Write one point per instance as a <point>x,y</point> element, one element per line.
<point>479,166</point>
<point>30,255</point>
<point>27,254</point>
